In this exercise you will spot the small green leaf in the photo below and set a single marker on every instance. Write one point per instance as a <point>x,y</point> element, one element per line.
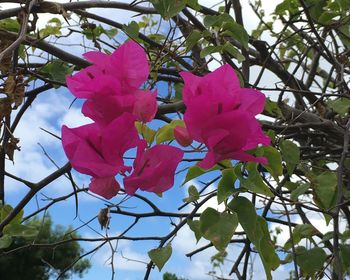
<point>57,70</point>
<point>210,50</point>
<point>21,230</point>
<point>325,189</point>
<point>195,171</point>
<point>345,256</point>
<point>194,4</point>
<point>111,33</point>
<point>237,32</point>
<point>290,154</point>
<point>193,194</point>
<point>310,261</point>
<point>193,39</point>
<point>132,29</point>
<point>166,133</point>
<point>300,232</point>
<point>168,8</point>
<point>160,255</point>
<point>218,227</point>
<point>10,24</point>
<point>340,105</point>
<point>272,109</point>
<point>301,189</point>
<point>147,133</point>
<point>5,241</point>
<point>232,50</point>
<point>195,227</point>
<point>226,185</point>
<point>274,158</point>
<point>253,182</point>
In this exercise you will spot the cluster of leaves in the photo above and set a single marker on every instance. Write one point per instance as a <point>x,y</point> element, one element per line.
<point>20,257</point>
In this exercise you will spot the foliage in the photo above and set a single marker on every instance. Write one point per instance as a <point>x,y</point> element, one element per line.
<point>23,257</point>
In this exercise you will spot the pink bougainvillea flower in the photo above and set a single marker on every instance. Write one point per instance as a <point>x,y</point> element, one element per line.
<point>98,150</point>
<point>111,85</point>
<point>154,168</point>
<point>221,114</point>
<point>106,186</point>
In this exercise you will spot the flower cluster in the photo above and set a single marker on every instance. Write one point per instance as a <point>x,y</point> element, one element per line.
<point>114,101</point>
<point>219,113</point>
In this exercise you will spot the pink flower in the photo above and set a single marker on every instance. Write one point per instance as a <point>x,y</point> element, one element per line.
<point>221,114</point>
<point>98,150</point>
<point>111,85</point>
<point>154,168</point>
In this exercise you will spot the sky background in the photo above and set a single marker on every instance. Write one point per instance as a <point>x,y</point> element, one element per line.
<point>49,111</point>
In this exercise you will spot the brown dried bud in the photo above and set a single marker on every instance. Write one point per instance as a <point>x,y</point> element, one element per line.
<point>11,146</point>
<point>104,218</point>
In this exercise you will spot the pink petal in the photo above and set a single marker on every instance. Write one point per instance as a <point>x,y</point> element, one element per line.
<point>182,136</point>
<point>106,187</point>
<point>81,84</point>
<point>129,64</point>
<point>145,107</point>
<point>155,170</point>
<point>101,60</point>
<point>83,157</point>
<point>118,137</point>
<point>252,100</point>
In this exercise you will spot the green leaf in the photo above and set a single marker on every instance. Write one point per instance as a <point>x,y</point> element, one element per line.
<point>168,8</point>
<point>160,255</point>
<point>272,109</point>
<point>301,189</point>
<point>218,227</point>
<point>193,194</point>
<point>57,70</point>
<point>237,32</point>
<point>5,241</point>
<point>195,227</point>
<point>178,91</point>
<point>345,256</point>
<point>232,50</point>
<point>10,24</point>
<point>274,166</point>
<point>257,231</point>
<point>111,33</point>
<point>253,182</point>
<point>210,50</point>
<point>300,232</point>
<point>194,4</point>
<point>340,105</point>
<point>5,211</point>
<point>310,261</point>
<point>166,133</point>
<point>21,230</point>
<point>147,133</point>
<point>344,35</point>
<point>195,171</point>
<point>193,39</point>
<point>132,29</point>
<point>325,189</point>
<point>226,186</point>
<point>290,154</point>
<point>53,27</point>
